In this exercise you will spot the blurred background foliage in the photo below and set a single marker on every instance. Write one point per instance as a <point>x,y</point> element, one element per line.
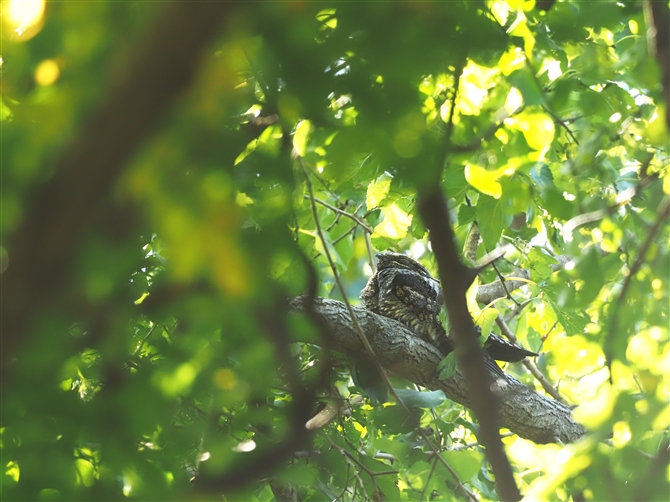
<point>157,357</point>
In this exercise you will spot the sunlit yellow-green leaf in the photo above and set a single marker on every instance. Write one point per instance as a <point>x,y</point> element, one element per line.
<point>47,72</point>
<point>242,199</point>
<point>269,142</point>
<point>395,223</point>
<point>301,136</point>
<point>12,471</point>
<point>377,191</point>
<point>594,413</point>
<point>327,17</point>
<point>565,464</point>
<point>621,434</point>
<point>85,472</point>
<point>657,130</point>
<point>249,148</point>
<point>361,429</point>
<point>644,350</point>
<point>177,382</point>
<point>486,319</point>
<point>483,180</point>
<point>525,5</point>
<point>5,111</point>
<point>471,299</point>
<point>500,9</point>
<point>141,298</point>
<point>511,60</point>
<point>537,127</point>
<point>473,87</point>
<point>520,29</point>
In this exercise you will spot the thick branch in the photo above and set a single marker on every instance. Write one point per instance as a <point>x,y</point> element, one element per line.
<point>432,207</point>
<point>521,410</point>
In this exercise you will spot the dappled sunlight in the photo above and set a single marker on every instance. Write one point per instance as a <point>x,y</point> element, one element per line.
<point>23,18</point>
<point>196,197</point>
<point>47,72</point>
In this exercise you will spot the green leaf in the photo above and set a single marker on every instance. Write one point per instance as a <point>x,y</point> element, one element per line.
<point>556,204</point>
<point>573,323</point>
<point>540,264</point>
<point>466,214</point>
<point>399,449</point>
<point>298,474</point>
<point>542,176</point>
<point>491,219</point>
<point>395,223</point>
<point>318,246</point>
<point>466,463</point>
<point>394,419</point>
<point>388,486</point>
<point>483,180</point>
<point>301,136</point>
<point>589,271</point>
<point>447,366</point>
<point>377,191</point>
<point>421,399</point>
<point>537,127</point>
<point>524,81</point>
<point>5,111</point>
<point>485,320</point>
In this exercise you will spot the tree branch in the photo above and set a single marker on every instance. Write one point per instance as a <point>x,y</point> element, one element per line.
<point>455,279</point>
<point>522,410</point>
<point>612,334</point>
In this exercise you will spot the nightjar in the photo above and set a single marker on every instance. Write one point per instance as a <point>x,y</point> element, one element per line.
<point>402,289</point>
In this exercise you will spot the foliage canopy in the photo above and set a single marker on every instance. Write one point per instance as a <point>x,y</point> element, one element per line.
<point>171,174</point>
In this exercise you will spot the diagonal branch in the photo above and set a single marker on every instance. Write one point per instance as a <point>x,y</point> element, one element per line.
<point>522,410</point>
<point>435,215</point>
<point>534,370</point>
<point>610,337</point>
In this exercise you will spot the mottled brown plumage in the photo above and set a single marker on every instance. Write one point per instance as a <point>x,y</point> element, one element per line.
<point>402,289</point>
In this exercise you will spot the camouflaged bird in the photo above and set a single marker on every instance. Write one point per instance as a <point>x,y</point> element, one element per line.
<point>402,289</point>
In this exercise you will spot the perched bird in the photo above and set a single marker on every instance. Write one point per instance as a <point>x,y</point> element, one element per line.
<point>402,289</point>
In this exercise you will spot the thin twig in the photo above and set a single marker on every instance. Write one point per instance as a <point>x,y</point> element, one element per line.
<point>477,443</point>
<point>488,134</point>
<point>530,366</point>
<point>335,222</point>
<point>354,227</point>
<point>353,460</point>
<point>468,494</point>
<point>503,280</point>
<point>146,337</point>
<point>517,310</point>
<point>626,197</point>
<point>663,211</point>
<point>368,246</point>
<point>363,338</point>
<point>430,475</point>
<point>337,210</point>
<point>562,123</point>
<point>546,335</point>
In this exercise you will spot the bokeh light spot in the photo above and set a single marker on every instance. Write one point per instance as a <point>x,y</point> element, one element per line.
<point>47,72</point>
